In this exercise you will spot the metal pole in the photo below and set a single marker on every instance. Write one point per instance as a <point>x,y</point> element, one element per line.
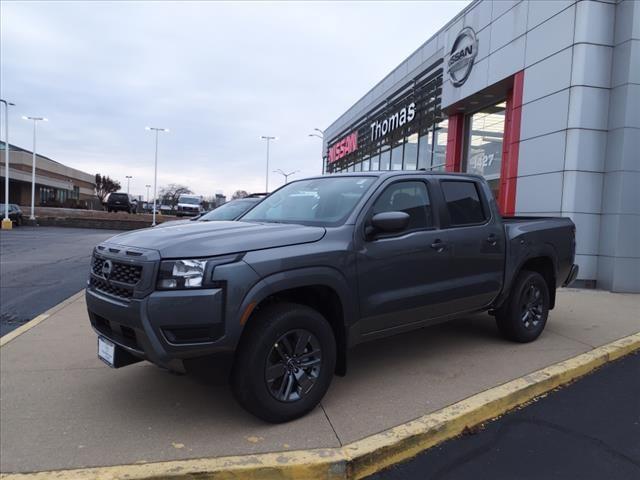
<point>33,173</point>
<point>6,162</point>
<point>266,187</point>
<point>155,182</point>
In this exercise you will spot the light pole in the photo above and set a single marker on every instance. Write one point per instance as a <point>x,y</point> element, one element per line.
<point>33,161</point>
<point>6,222</point>
<point>286,175</point>
<point>268,139</point>
<point>155,170</point>
<point>128,177</point>
<point>320,135</point>
<point>148,187</point>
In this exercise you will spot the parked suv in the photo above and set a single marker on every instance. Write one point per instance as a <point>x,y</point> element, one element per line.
<point>318,266</point>
<point>124,202</point>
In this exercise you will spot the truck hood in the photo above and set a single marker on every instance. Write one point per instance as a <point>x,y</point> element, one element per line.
<point>208,239</point>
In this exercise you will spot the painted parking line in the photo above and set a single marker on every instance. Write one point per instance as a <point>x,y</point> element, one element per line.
<point>12,335</point>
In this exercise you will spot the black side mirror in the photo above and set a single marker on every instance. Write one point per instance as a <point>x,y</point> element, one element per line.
<point>388,222</point>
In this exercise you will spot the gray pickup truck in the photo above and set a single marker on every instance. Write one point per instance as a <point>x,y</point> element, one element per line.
<point>320,265</point>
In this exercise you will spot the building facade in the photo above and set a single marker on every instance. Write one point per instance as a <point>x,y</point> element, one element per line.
<point>56,184</point>
<point>540,97</point>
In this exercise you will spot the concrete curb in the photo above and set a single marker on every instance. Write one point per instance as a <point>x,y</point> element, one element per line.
<point>371,454</point>
<point>39,319</point>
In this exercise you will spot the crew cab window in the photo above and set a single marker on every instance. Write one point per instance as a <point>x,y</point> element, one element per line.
<point>411,198</point>
<point>463,202</point>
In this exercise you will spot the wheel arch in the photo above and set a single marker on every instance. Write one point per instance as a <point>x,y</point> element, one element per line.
<point>322,288</point>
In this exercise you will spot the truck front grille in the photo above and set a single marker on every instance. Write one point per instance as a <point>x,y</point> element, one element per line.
<point>110,289</point>
<point>121,272</point>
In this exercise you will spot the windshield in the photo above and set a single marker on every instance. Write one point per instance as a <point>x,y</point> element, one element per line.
<point>189,200</point>
<point>229,211</point>
<point>319,201</point>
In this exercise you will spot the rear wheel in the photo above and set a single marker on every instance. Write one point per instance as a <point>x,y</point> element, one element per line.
<point>524,315</point>
<point>285,362</point>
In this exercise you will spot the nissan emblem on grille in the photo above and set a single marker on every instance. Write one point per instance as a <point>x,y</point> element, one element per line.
<point>107,266</point>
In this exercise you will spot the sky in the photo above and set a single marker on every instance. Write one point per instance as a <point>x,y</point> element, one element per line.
<point>218,74</point>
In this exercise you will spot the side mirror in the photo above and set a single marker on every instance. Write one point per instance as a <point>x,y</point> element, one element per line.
<point>389,222</point>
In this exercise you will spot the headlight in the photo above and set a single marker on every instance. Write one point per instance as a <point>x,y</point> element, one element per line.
<point>181,274</point>
<point>190,273</point>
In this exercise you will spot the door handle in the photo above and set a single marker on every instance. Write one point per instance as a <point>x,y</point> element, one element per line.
<point>438,245</point>
<point>492,239</point>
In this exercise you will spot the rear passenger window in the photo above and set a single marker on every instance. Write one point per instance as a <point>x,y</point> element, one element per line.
<point>409,197</point>
<point>463,202</point>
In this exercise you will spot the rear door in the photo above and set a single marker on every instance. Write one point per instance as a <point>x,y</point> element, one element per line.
<point>475,239</point>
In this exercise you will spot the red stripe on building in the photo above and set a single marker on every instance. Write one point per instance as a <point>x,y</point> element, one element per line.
<point>455,140</point>
<point>511,147</point>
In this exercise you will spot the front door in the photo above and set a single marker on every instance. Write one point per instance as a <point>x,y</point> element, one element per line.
<point>399,274</point>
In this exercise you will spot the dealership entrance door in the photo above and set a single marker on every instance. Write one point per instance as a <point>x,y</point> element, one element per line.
<point>484,144</point>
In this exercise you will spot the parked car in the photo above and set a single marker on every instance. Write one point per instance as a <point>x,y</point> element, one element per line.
<point>189,205</point>
<point>121,202</point>
<point>229,211</point>
<point>317,267</point>
<point>15,214</point>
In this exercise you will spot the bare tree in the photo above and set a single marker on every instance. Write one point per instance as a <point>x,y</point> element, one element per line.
<point>170,194</point>
<point>104,186</point>
<point>239,194</point>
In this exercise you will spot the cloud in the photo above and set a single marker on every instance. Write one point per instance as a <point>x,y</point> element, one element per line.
<point>218,74</point>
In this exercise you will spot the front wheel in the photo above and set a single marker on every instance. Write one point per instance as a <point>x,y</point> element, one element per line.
<point>524,315</point>
<point>285,362</point>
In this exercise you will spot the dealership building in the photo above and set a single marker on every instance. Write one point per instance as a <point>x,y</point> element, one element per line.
<point>542,98</point>
<point>56,185</point>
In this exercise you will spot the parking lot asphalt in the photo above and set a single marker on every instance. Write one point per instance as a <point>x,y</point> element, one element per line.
<point>40,267</point>
<point>588,430</point>
<point>63,408</point>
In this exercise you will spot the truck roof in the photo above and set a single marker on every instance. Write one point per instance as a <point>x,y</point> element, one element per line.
<point>396,173</point>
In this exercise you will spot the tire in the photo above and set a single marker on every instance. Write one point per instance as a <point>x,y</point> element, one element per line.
<point>524,315</point>
<point>271,387</point>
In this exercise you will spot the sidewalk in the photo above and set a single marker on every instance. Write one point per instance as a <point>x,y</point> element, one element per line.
<point>63,408</point>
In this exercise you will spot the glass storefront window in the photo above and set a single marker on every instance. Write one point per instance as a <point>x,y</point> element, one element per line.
<point>385,157</point>
<point>365,164</point>
<point>484,144</point>
<point>375,162</point>
<point>396,156</point>
<point>410,152</point>
<point>425,151</point>
<point>440,145</point>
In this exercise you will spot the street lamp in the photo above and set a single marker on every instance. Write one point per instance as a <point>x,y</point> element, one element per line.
<point>286,175</point>
<point>128,177</point>
<point>155,171</point>
<point>320,135</point>
<point>148,187</point>
<point>268,139</point>
<point>35,121</point>
<point>6,222</point>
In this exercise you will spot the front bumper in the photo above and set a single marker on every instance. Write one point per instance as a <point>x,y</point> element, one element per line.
<point>573,274</point>
<point>164,327</point>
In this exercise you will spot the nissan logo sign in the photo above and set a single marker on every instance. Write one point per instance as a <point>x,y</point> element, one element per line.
<point>463,53</point>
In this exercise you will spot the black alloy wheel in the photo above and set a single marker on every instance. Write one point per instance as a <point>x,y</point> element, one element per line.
<point>523,316</point>
<point>293,365</point>
<point>284,363</point>
<point>532,306</point>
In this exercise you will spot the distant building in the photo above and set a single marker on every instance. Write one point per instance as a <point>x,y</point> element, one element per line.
<point>220,199</point>
<point>56,184</point>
